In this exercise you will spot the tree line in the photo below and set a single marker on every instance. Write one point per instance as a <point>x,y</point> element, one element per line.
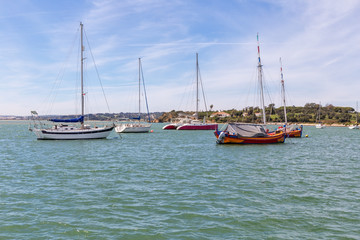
<point>309,113</point>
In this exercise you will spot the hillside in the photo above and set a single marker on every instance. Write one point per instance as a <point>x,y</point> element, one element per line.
<point>96,117</point>
<point>329,114</point>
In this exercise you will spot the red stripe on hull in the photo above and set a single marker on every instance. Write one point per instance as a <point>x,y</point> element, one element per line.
<point>198,127</point>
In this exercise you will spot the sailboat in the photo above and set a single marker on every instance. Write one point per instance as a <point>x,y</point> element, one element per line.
<point>197,124</point>
<point>65,131</point>
<point>136,127</point>
<point>292,130</point>
<point>240,133</point>
<point>319,125</point>
<point>355,126</point>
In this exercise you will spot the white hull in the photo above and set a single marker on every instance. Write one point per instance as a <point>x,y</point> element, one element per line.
<point>354,127</point>
<point>320,126</point>
<point>72,134</point>
<point>132,128</point>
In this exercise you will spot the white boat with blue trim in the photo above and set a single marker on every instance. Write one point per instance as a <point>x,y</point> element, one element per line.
<point>69,129</point>
<point>70,132</point>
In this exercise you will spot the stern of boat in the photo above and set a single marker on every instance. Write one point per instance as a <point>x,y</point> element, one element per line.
<point>220,135</point>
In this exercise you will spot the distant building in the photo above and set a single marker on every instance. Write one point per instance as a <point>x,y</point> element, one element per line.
<point>258,114</point>
<point>220,115</point>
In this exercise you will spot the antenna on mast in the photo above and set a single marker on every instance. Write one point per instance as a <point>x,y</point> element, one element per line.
<point>283,91</point>
<point>261,82</point>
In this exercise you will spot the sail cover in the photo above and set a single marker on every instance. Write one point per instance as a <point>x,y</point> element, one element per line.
<point>246,130</point>
<point>293,127</point>
<point>72,120</point>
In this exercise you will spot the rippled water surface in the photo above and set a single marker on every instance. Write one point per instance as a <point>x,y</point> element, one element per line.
<point>179,185</point>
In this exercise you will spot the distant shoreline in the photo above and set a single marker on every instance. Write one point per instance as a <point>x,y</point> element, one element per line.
<point>272,123</point>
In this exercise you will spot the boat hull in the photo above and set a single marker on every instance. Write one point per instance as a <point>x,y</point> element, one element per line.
<point>224,138</point>
<point>294,134</point>
<point>76,134</point>
<point>133,128</point>
<point>171,126</point>
<point>197,127</point>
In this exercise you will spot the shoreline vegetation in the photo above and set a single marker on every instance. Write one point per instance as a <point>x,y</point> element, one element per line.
<point>329,115</point>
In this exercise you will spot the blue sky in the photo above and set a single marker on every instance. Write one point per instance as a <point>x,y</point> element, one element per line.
<point>318,41</point>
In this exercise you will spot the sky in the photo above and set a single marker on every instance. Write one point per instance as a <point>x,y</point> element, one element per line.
<point>318,42</point>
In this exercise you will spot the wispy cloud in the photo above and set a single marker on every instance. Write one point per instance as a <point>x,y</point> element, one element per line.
<point>317,40</point>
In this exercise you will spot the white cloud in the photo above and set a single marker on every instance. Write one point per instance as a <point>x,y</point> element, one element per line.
<point>317,40</point>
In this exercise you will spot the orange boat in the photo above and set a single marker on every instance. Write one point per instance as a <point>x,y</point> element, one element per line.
<point>292,131</point>
<point>240,133</point>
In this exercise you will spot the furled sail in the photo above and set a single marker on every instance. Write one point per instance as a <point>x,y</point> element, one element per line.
<point>72,120</point>
<point>246,130</point>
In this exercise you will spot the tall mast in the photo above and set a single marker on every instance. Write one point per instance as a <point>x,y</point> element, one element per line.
<point>357,113</point>
<point>197,87</point>
<point>141,77</point>
<point>283,91</point>
<point>82,74</point>
<point>261,83</point>
<point>139,86</point>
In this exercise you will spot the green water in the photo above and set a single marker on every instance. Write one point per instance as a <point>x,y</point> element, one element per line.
<point>179,185</point>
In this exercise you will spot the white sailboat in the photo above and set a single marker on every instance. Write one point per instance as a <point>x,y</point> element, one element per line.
<point>319,124</point>
<point>136,127</point>
<point>355,126</point>
<point>65,131</point>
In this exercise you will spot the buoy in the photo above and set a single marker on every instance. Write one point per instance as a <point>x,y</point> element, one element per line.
<point>306,135</point>
<point>152,131</point>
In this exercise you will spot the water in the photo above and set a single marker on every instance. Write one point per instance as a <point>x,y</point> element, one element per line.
<point>179,185</point>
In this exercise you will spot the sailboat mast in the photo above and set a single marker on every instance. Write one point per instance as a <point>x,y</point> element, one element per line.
<point>283,91</point>
<point>357,113</point>
<point>197,87</point>
<point>261,82</point>
<point>319,113</point>
<point>82,74</point>
<point>139,86</point>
